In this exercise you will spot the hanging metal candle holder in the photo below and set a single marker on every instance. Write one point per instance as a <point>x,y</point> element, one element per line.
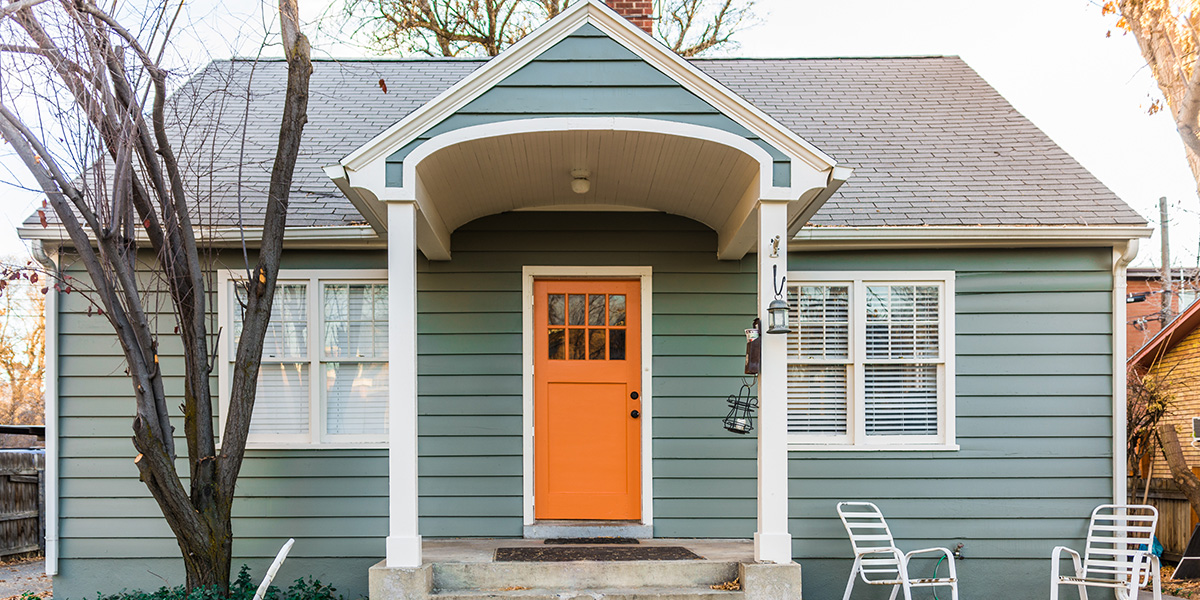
<point>740,419</point>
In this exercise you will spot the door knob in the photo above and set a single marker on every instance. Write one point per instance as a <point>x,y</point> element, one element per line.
<point>634,413</point>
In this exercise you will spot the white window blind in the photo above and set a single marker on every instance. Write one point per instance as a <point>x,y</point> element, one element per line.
<point>334,331</point>
<point>281,403</point>
<point>356,371</point>
<point>818,358</point>
<point>867,360</point>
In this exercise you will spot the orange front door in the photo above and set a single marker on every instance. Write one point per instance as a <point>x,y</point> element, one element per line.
<point>587,378</point>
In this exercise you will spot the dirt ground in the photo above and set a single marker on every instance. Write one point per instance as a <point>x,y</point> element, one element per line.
<point>25,575</point>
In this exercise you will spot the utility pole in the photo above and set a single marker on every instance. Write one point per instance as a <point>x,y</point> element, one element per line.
<point>1167,313</point>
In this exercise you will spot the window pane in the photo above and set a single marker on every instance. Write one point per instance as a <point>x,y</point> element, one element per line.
<point>577,309</point>
<point>616,344</point>
<point>356,398</point>
<point>901,399</point>
<point>902,322</point>
<point>817,399</point>
<point>355,325</point>
<point>822,318</point>
<point>557,307</point>
<point>281,404</point>
<point>596,343</point>
<point>616,310</point>
<point>596,309</point>
<point>287,333</point>
<point>578,344</point>
<point>558,344</point>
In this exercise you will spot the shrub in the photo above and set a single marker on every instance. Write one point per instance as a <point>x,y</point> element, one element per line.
<point>242,588</point>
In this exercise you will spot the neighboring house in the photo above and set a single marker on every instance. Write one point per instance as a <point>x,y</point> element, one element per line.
<point>463,331</point>
<point>1145,301</point>
<point>1173,358</point>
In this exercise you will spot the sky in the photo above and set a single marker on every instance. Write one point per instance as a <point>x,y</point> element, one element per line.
<point>1050,58</point>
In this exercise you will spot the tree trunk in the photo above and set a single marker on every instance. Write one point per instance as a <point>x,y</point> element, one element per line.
<point>1173,452</point>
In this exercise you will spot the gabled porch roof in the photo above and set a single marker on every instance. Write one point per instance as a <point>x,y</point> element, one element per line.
<point>713,168</point>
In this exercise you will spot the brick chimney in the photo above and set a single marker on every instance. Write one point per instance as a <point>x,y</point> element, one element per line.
<point>641,12</point>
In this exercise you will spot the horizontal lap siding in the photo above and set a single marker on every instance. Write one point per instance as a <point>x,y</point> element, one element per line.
<point>334,502</point>
<point>1034,423</point>
<point>469,365</point>
<point>587,74</point>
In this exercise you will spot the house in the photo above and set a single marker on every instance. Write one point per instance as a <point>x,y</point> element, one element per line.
<point>1172,357</point>
<point>515,296</point>
<point>1145,301</point>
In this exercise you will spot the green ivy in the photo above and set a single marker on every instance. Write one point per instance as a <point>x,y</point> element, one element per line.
<point>242,588</point>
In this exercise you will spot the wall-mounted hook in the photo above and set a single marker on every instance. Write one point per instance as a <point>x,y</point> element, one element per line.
<point>775,247</point>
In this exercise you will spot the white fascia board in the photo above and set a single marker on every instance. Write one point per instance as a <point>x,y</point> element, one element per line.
<point>344,236</point>
<point>983,236</point>
<point>624,33</point>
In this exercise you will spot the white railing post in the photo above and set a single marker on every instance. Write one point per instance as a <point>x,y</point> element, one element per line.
<point>772,541</point>
<point>403,541</point>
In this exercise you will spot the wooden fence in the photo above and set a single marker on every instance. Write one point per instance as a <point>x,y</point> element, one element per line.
<point>1175,522</point>
<point>22,502</point>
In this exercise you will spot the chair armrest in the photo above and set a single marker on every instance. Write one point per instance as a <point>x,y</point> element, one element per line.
<point>894,551</point>
<point>1058,550</point>
<point>1056,560</point>
<point>943,551</point>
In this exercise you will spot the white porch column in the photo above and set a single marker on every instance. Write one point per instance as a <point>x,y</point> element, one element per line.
<point>772,542</point>
<point>403,541</point>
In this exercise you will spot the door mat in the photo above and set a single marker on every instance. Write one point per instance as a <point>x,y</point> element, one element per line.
<point>594,553</point>
<point>591,540</point>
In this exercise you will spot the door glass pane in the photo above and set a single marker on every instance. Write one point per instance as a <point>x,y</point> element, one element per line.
<point>596,345</point>
<point>578,309</point>
<point>596,309</point>
<point>616,310</point>
<point>578,344</point>
<point>616,344</point>
<point>558,344</point>
<point>558,309</point>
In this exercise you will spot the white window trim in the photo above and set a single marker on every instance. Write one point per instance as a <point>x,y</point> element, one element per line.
<point>947,398</point>
<point>314,279</point>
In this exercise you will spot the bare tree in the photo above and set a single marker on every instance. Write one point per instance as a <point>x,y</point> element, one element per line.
<point>1168,34</point>
<point>487,27</point>
<point>104,88</point>
<point>22,354</point>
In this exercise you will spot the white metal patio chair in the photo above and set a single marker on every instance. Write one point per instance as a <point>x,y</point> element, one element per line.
<point>1118,554</point>
<point>878,561</point>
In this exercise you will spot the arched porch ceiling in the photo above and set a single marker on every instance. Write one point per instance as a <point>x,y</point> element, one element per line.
<point>698,179</point>
<point>706,174</point>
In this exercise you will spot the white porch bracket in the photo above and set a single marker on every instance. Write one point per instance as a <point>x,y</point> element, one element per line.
<point>404,540</point>
<point>772,540</point>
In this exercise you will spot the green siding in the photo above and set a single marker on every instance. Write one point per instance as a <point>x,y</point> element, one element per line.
<point>587,74</point>
<point>1034,415</point>
<point>1034,423</point>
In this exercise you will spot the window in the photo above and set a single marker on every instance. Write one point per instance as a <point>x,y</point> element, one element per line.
<point>871,360</point>
<point>324,371</point>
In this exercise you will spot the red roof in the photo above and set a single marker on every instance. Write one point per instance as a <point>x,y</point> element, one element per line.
<point>1168,338</point>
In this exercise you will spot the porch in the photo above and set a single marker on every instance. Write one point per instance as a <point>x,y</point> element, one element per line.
<point>460,569</point>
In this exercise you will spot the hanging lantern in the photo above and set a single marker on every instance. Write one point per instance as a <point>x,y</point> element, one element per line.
<point>777,317</point>
<point>740,419</point>
<point>777,310</point>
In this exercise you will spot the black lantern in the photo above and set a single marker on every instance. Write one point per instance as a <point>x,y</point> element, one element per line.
<point>777,310</point>
<point>740,419</point>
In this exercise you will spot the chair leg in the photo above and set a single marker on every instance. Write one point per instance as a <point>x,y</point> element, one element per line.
<point>1157,575</point>
<point>853,574</point>
<point>895,590</point>
<point>1083,592</point>
<point>907,590</point>
<point>954,591</point>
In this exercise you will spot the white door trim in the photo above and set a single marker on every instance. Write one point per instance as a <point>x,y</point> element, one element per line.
<point>528,274</point>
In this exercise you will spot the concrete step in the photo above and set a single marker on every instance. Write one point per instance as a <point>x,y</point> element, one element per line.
<point>582,575</point>
<point>639,593</point>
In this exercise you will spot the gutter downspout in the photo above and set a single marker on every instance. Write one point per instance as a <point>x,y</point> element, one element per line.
<point>1123,254</point>
<point>50,403</point>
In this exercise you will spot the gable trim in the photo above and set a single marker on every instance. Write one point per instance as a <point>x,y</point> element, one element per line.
<point>627,35</point>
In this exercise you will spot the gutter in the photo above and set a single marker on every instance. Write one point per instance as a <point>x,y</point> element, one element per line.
<point>1123,254</point>
<point>965,236</point>
<point>338,237</point>
<point>50,403</point>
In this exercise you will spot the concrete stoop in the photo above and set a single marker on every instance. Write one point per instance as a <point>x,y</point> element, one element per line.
<point>639,580</point>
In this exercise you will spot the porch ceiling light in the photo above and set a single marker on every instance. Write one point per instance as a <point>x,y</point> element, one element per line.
<point>580,184</point>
